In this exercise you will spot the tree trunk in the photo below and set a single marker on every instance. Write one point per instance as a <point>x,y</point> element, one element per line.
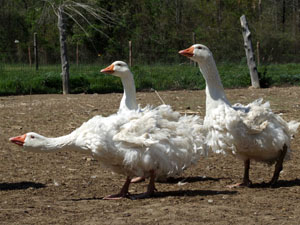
<point>274,14</point>
<point>29,56</point>
<point>295,19</point>
<point>283,15</point>
<point>219,13</point>
<point>194,42</point>
<point>36,52</point>
<point>63,50</point>
<point>178,4</point>
<point>130,53</point>
<point>298,14</point>
<point>77,54</point>
<point>249,53</point>
<point>259,10</point>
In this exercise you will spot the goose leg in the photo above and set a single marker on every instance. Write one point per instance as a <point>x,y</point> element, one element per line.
<point>150,189</point>
<point>246,181</point>
<point>123,193</point>
<point>278,166</point>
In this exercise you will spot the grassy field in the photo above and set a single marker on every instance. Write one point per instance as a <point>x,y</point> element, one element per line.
<point>22,79</point>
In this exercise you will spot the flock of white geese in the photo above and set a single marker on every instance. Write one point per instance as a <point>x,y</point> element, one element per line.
<point>157,142</point>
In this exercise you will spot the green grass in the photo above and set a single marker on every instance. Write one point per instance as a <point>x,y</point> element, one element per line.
<point>22,79</point>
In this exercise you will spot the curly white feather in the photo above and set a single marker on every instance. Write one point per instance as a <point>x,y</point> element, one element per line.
<point>134,142</point>
<point>249,132</point>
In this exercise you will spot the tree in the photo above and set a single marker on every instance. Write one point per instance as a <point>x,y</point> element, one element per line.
<point>249,53</point>
<point>156,28</point>
<point>71,9</point>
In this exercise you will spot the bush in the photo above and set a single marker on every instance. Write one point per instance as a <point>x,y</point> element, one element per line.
<point>79,84</point>
<point>15,80</point>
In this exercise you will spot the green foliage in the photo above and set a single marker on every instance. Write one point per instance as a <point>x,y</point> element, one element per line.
<point>157,29</point>
<point>284,74</point>
<point>20,79</point>
<point>79,84</point>
<point>234,76</point>
<point>167,77</point>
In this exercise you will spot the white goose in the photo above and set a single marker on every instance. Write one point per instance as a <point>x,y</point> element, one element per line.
<point>251,132</point>
<point>154,142</point>
<point>128,102</point>
<point>120,69</point>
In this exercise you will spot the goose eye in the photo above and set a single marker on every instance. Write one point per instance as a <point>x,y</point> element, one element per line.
<point>32,137</point>
<point>199,47</point>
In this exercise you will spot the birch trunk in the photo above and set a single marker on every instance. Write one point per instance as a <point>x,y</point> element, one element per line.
<point>249,53</point>
<point>63,50</point>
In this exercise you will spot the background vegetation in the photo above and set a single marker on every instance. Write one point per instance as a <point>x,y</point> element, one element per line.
<point>87,79</point>
<point>157,29</point>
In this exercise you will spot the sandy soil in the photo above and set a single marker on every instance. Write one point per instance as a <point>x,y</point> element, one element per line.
<point>67,187</point>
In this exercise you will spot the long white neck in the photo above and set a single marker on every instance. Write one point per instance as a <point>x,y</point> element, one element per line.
<point>128,101</point>
<point>67,142</point>
<point>215,94</point>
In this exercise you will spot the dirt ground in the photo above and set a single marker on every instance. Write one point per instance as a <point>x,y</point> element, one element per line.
<point>67,187</point>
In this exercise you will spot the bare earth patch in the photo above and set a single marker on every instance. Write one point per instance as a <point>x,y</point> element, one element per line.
<point>67,187</point>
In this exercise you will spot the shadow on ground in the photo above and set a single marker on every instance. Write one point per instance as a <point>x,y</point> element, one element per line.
<point>192,193</point>
<point>164,194</point>
<point>172,180</point>
<point>280,183</point>
<point>20,186</point>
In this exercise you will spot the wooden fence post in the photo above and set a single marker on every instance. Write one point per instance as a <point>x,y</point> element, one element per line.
<point>249,53</point>
<point>36,57</point>
<point>130,53</point>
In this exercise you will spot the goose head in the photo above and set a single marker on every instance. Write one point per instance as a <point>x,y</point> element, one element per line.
<point>197,52</point>
<point>121,69</point>
<point>118,68</point>
<point>31,141</point>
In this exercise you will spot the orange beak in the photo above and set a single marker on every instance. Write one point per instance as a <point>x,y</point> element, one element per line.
<point>110,69</point>
<point>19,140</point>
<point>189,52</point>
